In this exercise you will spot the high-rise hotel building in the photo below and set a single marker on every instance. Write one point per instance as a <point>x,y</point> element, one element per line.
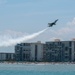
<point>53,51</point>
<point>29,51</point>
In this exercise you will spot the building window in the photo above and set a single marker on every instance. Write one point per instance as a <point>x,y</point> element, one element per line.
<point>66,57</point>
<point>70,43</point>
<point>36,52</point>
<point>66,48</point>
<point>20,48</point>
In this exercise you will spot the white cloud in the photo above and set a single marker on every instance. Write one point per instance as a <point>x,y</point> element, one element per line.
<point>70,27</point>
<point>67,32</point>
<point>72,23</point>
<point>7,41</point>
<point>64,33</point>
<point>9,34</point>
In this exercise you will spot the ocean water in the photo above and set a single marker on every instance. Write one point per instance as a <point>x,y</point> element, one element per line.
<point>37,69</point>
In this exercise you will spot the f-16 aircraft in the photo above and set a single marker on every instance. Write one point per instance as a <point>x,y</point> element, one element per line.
<point>53,23</point>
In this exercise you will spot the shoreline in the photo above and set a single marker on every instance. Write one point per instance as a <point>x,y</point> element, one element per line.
<point>10,62</point>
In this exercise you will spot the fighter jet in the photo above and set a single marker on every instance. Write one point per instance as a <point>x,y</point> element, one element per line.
<point>53,23</point>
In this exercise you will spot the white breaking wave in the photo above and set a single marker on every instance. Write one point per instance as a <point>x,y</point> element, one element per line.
<point>11,41</point>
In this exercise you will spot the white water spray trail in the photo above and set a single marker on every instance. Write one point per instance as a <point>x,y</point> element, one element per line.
<point>11,42</point>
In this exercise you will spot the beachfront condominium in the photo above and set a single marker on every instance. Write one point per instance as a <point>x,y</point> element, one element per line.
<point>51,51</point>
<point>29,51</point>
<point>59,51</point>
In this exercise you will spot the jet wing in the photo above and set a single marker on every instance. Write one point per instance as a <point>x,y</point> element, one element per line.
<point>50,24</point>
<point>56,20</point>
<point>53,23</point>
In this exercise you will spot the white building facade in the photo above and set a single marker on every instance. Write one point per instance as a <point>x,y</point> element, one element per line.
<point>7,56</point>
<point>29,51</point>
<point>53,51</point>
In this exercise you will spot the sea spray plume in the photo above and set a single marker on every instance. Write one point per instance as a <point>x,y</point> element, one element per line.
<point>11,42</point>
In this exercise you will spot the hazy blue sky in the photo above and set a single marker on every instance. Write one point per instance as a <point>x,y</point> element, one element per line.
<point>30,16</point>
<point>33,15</point>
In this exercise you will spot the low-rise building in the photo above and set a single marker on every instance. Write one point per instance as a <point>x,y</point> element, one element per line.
<point>7,56</point>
